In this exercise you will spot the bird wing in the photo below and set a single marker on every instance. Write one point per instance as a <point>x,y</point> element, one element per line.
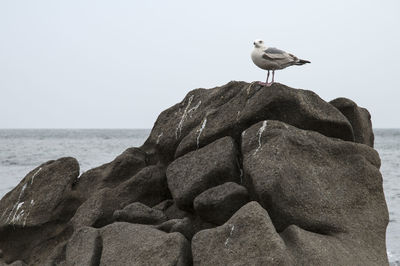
<point>279,56</point>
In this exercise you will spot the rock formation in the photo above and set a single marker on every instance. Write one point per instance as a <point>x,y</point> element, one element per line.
<point>235,175</point>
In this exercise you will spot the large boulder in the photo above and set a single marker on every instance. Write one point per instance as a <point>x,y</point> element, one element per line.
<point>195,172</point>
<point>216,205</point>
<point>37,198</point>
<point>320,184</point>
<point>359,118</point>
<point>136,244</point>
<point>206,115</point>
<point>148,186</point>
<point>35,213</point>
<point>248,238</point>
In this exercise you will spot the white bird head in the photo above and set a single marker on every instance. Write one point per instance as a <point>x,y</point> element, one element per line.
<point>258,43</point>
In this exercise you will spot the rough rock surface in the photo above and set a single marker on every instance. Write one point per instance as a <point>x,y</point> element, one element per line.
<point>139,213</point>
<point>323,185</point>
<point>199,170</point>
<point>135,244</point>
<point>84,248</point>
<point>34,214</point>
<point>248,238</point>
<point>216,205</point>
<point>149,186</point>
<point>112,174</point>
<point>206,115</point>
<point>359,118</point>
<point>317,196</point>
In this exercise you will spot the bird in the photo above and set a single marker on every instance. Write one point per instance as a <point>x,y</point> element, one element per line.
<point>271,59</point>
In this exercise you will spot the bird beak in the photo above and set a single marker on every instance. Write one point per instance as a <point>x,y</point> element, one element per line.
<point>254,43</point>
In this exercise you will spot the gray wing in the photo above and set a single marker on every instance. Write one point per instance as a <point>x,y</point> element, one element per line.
<point>280,57</point>
<point>273,50</point>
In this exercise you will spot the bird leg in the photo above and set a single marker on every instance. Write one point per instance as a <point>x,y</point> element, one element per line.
<point>266,83</point>
<point>273,76</point>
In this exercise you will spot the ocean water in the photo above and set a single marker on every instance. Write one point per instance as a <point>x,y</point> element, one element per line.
<point>23,150</point>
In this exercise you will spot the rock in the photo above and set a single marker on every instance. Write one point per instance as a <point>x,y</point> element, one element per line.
<point>216,205</point>
<point>34,215</point>
<point>56,257</point>
<point>359,118</point>
<point>320,184</point>
<point>173,212</point>
<point>84,248</point>
<point>139,213</point>
<point>195,172</point>
<point>309,248</point>
<point>207,115</point>
<point>248,238</point>
<point>149,186</point>
<point>34,202</point>
<point>183,226</point>
<point>319,195</point>
<point>136,244</point>
<point>110,175</point>
<point>162,206</point>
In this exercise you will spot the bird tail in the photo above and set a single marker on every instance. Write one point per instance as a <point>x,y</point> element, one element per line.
<point>301,62</point>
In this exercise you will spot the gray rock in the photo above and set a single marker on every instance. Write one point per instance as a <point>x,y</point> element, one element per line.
<point>84,248</point>
<point>37,198</point>
<point>136,244</point>
<point>110,175</point>
<point>162,206</point>
<point>320,184</point>
<point>183,226</point>
<point>216,205</point>
<point>34,215</point>
<point>195,172</point>
<point>360,120</point>
<point>173,212</point>
<point>206,115</point>
<point>139,213</point>
<point>248,238</point>
<point>149,186</point>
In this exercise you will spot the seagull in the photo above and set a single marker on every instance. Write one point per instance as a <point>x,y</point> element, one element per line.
<point>270,58</point>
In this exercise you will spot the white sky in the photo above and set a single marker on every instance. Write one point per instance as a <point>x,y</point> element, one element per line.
<point>118,64</point>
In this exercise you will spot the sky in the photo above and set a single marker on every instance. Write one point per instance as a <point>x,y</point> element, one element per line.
<point>118,64</point>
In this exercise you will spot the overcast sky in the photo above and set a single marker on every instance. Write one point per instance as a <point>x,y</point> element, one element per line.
<point>118,64</point>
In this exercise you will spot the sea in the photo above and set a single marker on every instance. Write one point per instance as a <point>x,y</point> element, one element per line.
<point>21,150</point>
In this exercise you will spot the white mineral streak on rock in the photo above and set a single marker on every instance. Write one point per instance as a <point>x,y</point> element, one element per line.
<point>29,211</point>
<point>200,131</point>
<point>194,108</point>
<point>230,234</point>
<point>14,209</point>
<point>33,177</point>
<point>17,214</point>
<point>259,133</point>
<point>185,113</point>
<point>158,138</point>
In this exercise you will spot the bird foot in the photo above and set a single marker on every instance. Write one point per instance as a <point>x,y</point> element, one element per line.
<point>267,84</point>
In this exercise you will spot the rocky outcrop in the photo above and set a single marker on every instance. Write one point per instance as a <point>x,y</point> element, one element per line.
<point>241,174</point>
<point>359,118</point>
